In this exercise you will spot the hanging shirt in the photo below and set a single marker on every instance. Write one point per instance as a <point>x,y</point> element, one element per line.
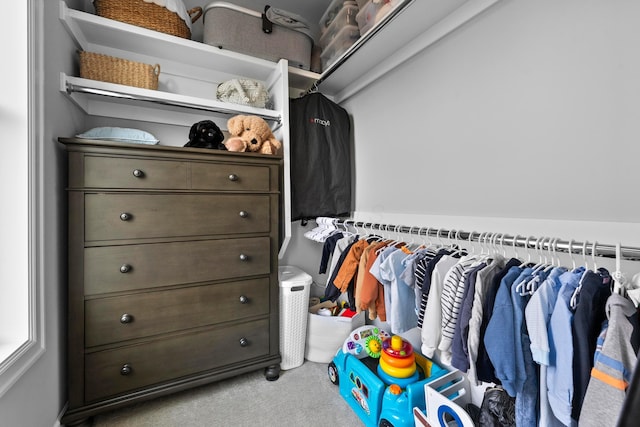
<point>537,315</point>
<point>483,281</point>
<point>614,364</point>
<point>459,348</point>
<point>431,326</point>
<point>590,312</point>
<point>484,368</point>
<point>399,297</point>
<point>498,338</point>
<point>451,302</point>
<point>328,247</point>
<point>560,371</point>
<point>372,292</point>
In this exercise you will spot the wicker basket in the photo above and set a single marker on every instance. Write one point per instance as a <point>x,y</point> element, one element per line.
<point>105,68</point>
<point>147,15</point>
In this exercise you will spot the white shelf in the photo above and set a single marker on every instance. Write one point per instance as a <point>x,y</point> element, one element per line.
<point>93,33</point>
<point>183,63</point>
<point>113,100</point>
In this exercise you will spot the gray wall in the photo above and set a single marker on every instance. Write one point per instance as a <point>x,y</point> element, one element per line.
<point>523,121</point>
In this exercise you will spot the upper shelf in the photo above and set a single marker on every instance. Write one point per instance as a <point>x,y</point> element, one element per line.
<point>92,33</point>
<point>191,71</point>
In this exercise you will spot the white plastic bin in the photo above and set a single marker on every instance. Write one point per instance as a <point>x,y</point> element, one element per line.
<point>294,304</point>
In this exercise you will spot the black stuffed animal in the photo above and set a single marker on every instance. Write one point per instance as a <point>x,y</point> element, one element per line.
<point>206,134</point>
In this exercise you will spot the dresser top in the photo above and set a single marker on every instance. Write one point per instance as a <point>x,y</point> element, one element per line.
<point>125,148</point>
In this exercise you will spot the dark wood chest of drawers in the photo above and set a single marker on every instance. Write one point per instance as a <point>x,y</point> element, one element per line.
<point>172,270</point>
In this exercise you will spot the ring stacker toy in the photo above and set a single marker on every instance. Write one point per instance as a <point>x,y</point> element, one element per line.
<point>397,362</point>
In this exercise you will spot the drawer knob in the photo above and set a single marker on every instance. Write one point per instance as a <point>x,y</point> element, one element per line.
<point>244,257</point>
<point>126,318</point>
<point>244,342</point>
<point>126,369</point>
<point>233,177</point>
<point>125,268</point>
<point>138,173</point>
<point>125,216</point>
<point>243,299</point>
<point>243,214</point>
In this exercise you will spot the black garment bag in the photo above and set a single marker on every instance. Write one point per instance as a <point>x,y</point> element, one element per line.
<point>320,158</point>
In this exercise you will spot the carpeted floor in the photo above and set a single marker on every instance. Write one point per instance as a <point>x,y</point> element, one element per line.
<point>301,397</point>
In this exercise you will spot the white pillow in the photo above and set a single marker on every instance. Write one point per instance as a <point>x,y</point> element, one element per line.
<point>120,134</point>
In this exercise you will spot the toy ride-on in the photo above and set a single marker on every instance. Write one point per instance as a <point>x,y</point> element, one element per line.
<point>382,377</point>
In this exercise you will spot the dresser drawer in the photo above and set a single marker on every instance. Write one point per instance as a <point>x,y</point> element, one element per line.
<point>117,371</point>
<point>132,173</point>
<point>110,216</point>
<point>137,173</point>
<point>114,319</point>
<point>132,267</point>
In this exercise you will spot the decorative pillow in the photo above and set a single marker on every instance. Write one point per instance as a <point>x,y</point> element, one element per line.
<point>120,134</point>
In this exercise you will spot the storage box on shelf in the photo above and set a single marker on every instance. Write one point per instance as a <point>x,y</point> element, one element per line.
<point>239,29</point>
<point>105,68</point>
<point>346,16</point>
<point>367,15</point>
<point>333,12</point>
<point>151,15</point>
<point>339,45</point>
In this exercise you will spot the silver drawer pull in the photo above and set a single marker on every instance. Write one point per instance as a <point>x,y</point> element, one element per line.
<point>125,268</point>
<point>233,177</point>
<point>126,369</point>
<point>125,216</point>
<point>244,342</point>
<point>243,299</point>
<point>244,257</point>
<point>126,318</point>
<point>243,214</point>
<point>138,173</point>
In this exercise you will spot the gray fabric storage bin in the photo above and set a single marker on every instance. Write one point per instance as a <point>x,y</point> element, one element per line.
<point>240,29</point>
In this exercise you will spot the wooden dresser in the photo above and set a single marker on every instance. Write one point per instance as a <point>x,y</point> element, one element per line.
<point>173,278</point>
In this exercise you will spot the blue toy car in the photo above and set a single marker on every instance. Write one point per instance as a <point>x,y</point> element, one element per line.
<point>376,403</point>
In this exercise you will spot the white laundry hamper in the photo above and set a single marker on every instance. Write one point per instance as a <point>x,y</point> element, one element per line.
<point>294,304</point>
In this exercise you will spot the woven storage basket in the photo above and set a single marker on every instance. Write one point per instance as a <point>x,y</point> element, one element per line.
<point>147,15</point>
<point>105,68</point>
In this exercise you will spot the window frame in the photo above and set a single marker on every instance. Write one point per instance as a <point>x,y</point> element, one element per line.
<point>28,352</point>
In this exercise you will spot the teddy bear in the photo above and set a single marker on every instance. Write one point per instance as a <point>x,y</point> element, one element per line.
<point>251,133</point>
<point>206,134</point>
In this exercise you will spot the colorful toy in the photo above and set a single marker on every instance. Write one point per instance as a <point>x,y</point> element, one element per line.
<point>397,362</point>
<point>365,341</point>
<point>378,401</point>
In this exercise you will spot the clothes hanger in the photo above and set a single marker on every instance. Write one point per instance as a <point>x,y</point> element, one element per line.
<point>573,261</point>
<point>573,302</point>
<point>619,282</point>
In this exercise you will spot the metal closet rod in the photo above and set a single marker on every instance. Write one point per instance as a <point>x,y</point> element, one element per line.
<point>527,242</point>
<point>71,87</point>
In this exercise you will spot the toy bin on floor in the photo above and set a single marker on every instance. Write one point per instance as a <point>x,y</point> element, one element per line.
<point>326,334</point>
<point>294,302</point>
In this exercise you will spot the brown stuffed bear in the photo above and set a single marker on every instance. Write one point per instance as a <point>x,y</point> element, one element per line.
<point>251,133</point>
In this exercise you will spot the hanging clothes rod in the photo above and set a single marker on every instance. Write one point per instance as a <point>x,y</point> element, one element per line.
<point>527,242</point>
<point>73,87</point>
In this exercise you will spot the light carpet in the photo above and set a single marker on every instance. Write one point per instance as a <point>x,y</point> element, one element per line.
<point>302,396</point>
